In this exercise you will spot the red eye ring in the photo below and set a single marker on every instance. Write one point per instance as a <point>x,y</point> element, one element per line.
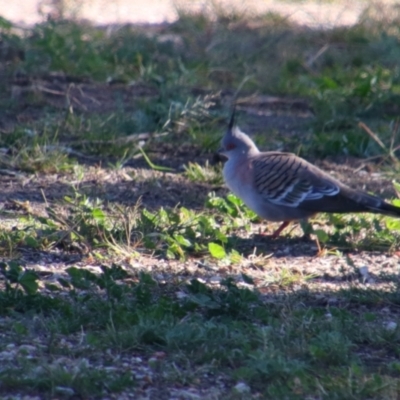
<point>230,146</point>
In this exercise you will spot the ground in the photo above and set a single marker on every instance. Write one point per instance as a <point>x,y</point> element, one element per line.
<point>129,271</point>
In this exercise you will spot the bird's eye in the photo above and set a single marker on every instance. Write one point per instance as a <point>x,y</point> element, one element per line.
<point>230,146</point>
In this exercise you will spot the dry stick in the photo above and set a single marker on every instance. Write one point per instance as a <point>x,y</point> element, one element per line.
<point>135,137</point>
<point>315,57</point>
<point>236,94</point>
<point>395,131</point>
<point>377,140</point>
<point>68,150</point>
<point>372,135</point>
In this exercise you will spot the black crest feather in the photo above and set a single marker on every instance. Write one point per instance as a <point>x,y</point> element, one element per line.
<point>232,120</point>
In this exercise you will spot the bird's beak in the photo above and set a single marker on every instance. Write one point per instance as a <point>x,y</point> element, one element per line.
<point>220,156</point>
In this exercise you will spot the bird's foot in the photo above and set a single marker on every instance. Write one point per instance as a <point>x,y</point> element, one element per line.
<point>280,229</point>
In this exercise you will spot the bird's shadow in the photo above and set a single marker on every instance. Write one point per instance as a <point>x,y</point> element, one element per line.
<point>281,246</point>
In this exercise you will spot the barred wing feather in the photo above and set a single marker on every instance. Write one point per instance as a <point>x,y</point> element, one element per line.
<point>286,180</point>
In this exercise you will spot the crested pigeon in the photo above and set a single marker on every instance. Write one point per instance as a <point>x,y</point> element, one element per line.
<point>283,187</point>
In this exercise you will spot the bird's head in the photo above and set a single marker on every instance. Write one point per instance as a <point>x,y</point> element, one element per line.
<point>235,142</point>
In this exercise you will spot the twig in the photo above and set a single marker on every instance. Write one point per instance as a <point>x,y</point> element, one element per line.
<point>8,172</point>
<point>379,141</point>
<point>395,131</point>
<point>135,137</point>
<point>372,135</point>
<point>315,57</point>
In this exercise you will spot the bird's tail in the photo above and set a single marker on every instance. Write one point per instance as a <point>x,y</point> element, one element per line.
<point>374,204</point>
<point>350,200</point>
<point>385,208</point>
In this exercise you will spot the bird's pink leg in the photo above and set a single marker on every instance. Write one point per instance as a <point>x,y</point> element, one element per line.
<point>280,229</point>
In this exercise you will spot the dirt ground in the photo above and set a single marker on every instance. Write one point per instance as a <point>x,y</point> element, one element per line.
<point>168,189</point>
<point>21,190</point>
<point>265,259</point>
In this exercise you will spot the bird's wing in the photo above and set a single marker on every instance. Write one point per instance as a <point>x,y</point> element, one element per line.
<point>287,180</point>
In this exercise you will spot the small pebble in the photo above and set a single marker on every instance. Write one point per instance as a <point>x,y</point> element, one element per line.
<point>241,387</point>
<point>64,390</point>
<point>391,326</point>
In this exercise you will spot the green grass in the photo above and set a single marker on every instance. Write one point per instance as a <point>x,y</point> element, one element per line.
<point>293,347</point>
<point>126,267</point>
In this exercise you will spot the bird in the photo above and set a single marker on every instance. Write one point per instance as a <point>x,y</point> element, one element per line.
<point>282,187</point>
